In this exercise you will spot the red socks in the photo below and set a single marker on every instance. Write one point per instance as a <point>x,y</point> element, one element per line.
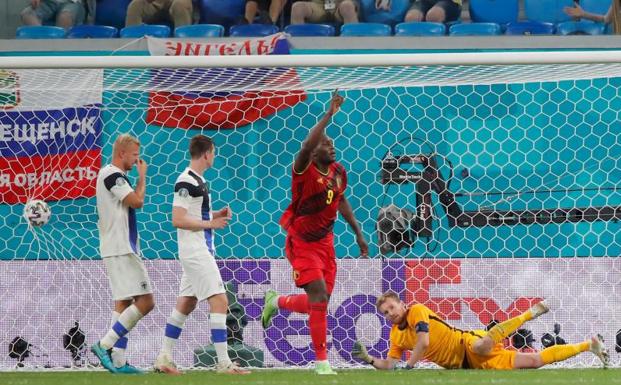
<point>295,303</point>
<point>318,322</point>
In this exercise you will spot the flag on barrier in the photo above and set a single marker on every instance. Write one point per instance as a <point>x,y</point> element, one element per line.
<point>49,136</point>
<point>214,98</point>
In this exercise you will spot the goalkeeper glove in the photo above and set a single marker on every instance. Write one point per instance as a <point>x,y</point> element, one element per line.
<point>360,351</point>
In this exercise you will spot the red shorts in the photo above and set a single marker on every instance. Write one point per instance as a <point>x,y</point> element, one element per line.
<point>311,261</point>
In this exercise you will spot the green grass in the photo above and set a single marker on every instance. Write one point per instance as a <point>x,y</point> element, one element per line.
<point>345,377</point>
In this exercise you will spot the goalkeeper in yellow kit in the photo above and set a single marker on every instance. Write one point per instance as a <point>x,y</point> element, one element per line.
<point>429,337</point>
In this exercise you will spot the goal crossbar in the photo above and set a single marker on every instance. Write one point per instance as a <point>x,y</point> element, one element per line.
<point>355,60</point>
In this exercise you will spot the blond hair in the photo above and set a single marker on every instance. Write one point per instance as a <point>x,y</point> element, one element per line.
<point>122,141</point>
<point>386,296</point>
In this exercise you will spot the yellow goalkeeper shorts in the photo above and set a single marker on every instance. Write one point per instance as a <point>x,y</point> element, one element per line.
<point>499,358</point>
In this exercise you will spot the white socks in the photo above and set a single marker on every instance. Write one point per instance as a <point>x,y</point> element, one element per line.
<point>217,323</point>
<point>126,321</point>
<point>174,326</point>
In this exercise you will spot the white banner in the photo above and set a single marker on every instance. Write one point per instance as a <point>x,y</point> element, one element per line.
<point>41,300</point>
<point>36,90</point>
<point>273,44</point>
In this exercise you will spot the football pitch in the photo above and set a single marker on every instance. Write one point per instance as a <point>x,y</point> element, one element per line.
<point>306,377</point>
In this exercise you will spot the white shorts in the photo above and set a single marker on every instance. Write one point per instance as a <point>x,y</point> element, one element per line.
<point>201,277</point>
<point>128,276</point>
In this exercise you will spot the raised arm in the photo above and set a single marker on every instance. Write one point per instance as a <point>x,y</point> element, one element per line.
<point>135,199</point>
<point>348,214</point>
<point>315,135</point>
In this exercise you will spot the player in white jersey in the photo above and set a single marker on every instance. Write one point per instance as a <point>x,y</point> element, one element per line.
<point>120,251</point>
<point>195,222</point>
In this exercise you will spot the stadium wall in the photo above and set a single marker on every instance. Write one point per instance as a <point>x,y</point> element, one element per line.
<point>456,290</point>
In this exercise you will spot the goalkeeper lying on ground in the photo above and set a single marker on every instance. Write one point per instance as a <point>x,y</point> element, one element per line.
<point>429,337</point>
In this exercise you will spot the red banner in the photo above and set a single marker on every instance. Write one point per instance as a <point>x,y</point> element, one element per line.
<point>50,177</point>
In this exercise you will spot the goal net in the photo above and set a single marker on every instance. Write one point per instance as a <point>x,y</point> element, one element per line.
<point>481,188</point>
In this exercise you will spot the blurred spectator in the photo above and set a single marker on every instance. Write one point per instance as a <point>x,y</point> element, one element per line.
<point>613,16</point>
<point>438,11</point>
<point>319,11</point>
<point>91,8</point>
<point>179,12</point>
<point>65,13</point>
<point>269,11</point>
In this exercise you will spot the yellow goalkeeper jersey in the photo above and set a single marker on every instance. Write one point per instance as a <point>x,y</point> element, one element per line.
<point>447,345</point>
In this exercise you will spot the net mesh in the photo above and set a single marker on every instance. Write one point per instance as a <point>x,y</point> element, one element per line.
<point>481,190</point>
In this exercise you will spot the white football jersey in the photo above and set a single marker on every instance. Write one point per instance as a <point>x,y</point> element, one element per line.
<point>192,194</point>
<point>118,234</point>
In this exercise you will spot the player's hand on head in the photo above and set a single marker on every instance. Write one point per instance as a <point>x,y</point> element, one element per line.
<point>219,223</point>
<point>141,165</point>
<point>335,103</point>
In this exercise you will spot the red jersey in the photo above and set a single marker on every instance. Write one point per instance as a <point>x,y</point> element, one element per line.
<point>315,202</point>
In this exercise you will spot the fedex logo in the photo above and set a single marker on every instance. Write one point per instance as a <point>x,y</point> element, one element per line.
<point>352,309</point>
<point>421,277</point>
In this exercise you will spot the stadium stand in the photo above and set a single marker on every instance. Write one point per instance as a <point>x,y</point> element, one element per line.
<point>249,30</point>
<point>420,29</point>
<point>366,29</point>
<point>490,11</point>
<point>40,32</point>
<point>136,31</point>
<point>475,29</point>
<point>111,12</point>
<point>530,28</point>
<point>200,30</point>
<point>395,15</point>
<point>596,6</point>
<point>547,11</point>
<point>579,28</point>
<point>216,17</point>
<point>92,32</point>
<point>310,30</point>
<point>223,12</point>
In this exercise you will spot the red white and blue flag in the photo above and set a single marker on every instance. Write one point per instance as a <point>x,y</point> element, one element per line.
<point>228,97</point>
<point>50,145</point>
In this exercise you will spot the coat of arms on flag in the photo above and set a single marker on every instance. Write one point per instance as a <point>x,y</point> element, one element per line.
<point>9,89</point>
<point>49,136</point>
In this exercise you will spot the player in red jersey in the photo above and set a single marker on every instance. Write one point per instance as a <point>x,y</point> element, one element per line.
<point>318,187</point>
